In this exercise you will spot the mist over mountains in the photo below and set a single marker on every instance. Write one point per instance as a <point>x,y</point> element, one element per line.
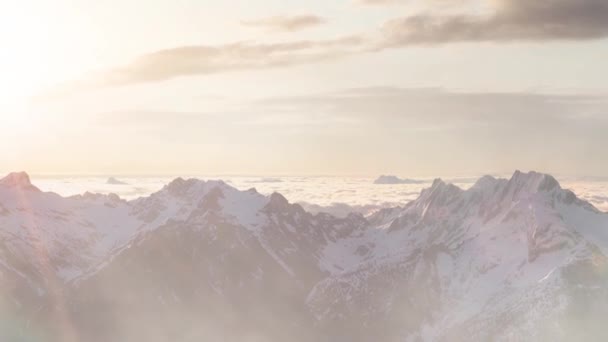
<point>506,259</point>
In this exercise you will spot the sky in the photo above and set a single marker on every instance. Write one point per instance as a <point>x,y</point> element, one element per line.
<point>344,87</point>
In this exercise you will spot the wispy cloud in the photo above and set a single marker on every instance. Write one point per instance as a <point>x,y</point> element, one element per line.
<point>513,20</point>
<point>284,23</point>
<point>204,60</point>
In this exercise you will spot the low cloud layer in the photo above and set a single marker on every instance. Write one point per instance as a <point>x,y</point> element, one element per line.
<point>336,195</point>
<point>285,23</point>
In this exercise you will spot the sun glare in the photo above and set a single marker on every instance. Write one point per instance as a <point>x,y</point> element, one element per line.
<point>33,55</point>
<point>14,118</point>
<point>30,62</point>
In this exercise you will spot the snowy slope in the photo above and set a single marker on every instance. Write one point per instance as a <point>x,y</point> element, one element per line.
<point>503,260</point>
<point>457,259</point>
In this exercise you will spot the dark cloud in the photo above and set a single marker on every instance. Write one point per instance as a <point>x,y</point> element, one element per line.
<point>514,20</point>
<point>286,23</point>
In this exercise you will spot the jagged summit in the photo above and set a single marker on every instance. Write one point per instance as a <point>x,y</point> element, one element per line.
<point>487,181</point>
<point>192,186</point>
<point>490,196</point>
<point>519,185</point>
<point>440,187</point>
<point>437,182</point>
<point>520,182</point>
<point>17,179</point>
<point>507,250</point>
<point>534,181</point>
<point>277,202</point>
<point>179,183</point>
<point>182,183</point>
<point>439,193</point>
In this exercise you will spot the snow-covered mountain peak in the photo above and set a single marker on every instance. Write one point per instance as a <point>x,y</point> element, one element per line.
<point>487,182</point>
<point>533,182</point>
<point>439,191</point>
<point>192,188</point>
<point>17,179</point>
<point>520,183</point>
<point>278,202</point>
<point>520,187</point>
<point>452,262</point>
<point>181,186</point>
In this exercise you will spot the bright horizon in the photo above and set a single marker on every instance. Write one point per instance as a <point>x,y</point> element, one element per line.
<point>221,176</point>
<point>410,88</point>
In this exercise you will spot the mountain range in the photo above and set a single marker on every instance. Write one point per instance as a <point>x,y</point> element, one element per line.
<point>505,260</point>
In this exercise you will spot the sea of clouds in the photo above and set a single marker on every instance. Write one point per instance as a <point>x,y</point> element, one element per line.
<point>336,195</point>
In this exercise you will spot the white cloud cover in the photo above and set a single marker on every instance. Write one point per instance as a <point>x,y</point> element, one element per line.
<point>336,195</point>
